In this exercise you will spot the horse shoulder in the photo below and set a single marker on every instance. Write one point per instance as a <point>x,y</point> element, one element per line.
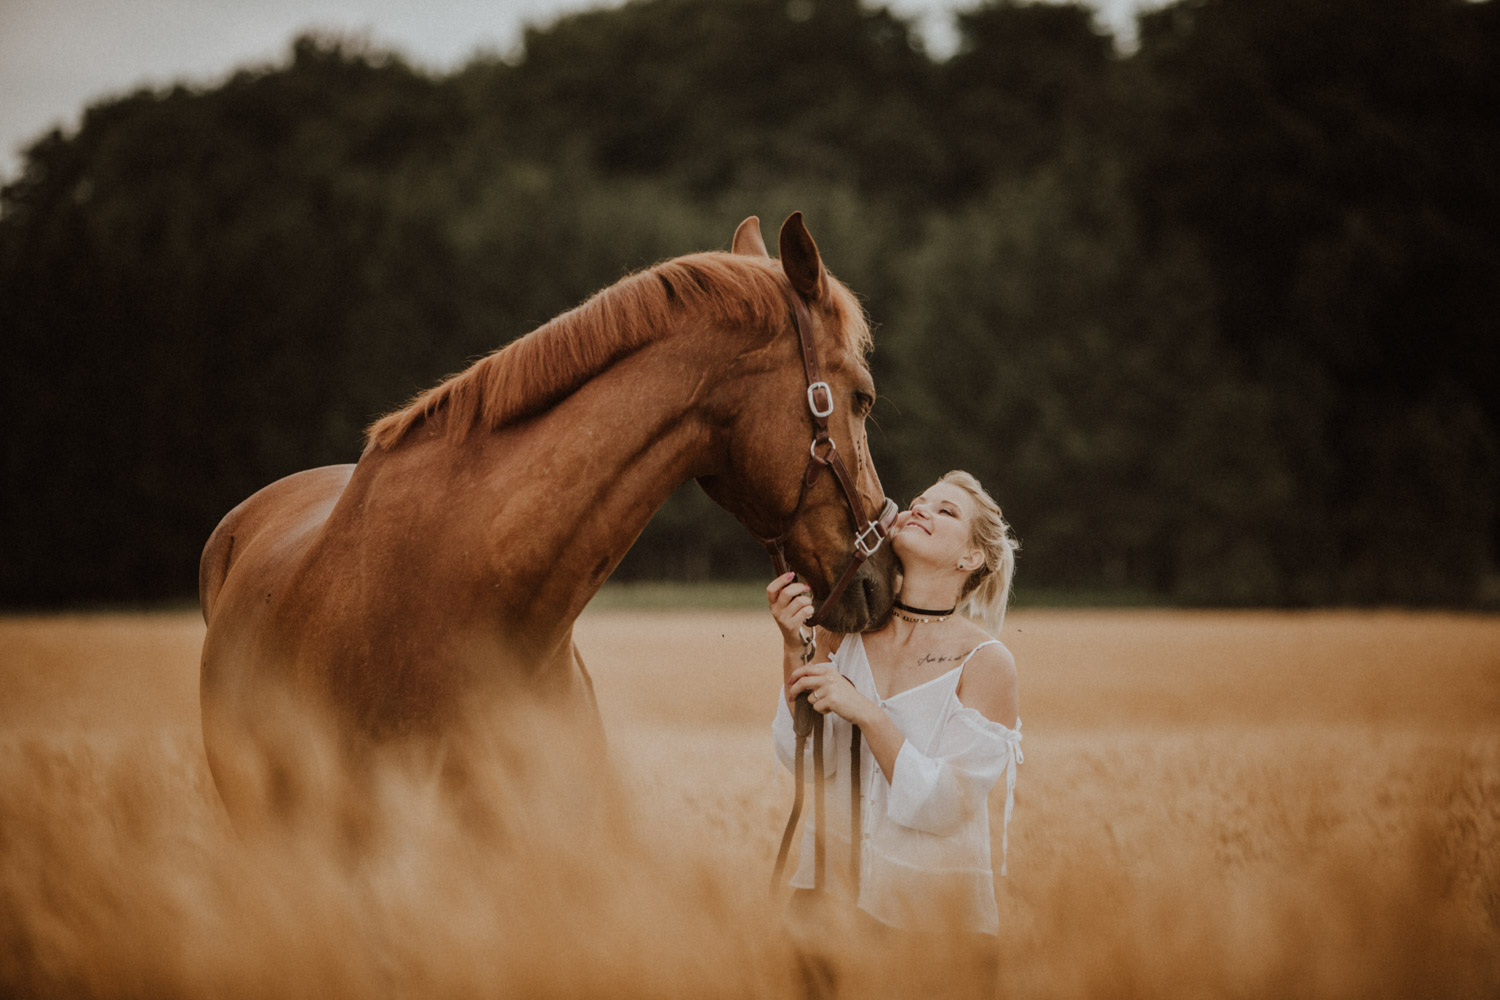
<point>273,510</point>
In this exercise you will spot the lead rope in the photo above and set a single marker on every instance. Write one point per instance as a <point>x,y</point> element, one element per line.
<point>855,810</point>
<point>803,715</point>
<point>805,722</point>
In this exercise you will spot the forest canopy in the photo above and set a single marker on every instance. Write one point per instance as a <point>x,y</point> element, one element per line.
<point>1215,318</point>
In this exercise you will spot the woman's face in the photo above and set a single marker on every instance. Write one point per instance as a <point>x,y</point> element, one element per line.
<point>935,528</point>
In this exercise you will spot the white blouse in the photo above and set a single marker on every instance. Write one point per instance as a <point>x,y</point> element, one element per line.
<point>926,832</point>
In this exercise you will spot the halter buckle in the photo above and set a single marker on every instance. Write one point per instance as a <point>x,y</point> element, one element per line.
<point>880,527</point>
<point>863,547</point>
<point>826,409</point>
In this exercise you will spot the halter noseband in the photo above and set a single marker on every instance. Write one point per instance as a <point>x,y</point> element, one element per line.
<point>824,454</point>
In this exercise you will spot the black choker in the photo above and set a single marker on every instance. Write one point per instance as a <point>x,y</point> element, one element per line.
<point>924,611</point>
<point>922,614</point>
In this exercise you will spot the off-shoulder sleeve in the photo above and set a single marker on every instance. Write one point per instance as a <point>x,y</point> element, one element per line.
<point>936,792</point>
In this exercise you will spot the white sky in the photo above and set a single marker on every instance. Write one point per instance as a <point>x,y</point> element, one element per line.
<point>58,56</point>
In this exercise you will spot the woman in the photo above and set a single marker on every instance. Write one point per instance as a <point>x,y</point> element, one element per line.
<point>934,696</point>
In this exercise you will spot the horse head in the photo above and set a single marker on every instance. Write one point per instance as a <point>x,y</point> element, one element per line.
<point>799,473</point>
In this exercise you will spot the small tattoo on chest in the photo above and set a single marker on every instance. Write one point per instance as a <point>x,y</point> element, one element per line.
<point>929,658</point>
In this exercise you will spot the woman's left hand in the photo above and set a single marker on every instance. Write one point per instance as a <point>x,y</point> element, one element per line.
<point>828,691</point>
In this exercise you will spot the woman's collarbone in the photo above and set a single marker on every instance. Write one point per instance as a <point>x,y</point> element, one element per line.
<point>897,669</point>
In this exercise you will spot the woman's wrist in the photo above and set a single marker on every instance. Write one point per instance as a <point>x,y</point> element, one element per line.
<point>863,710</point>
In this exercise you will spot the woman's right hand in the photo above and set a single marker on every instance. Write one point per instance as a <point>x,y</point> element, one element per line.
<point>791,606</point>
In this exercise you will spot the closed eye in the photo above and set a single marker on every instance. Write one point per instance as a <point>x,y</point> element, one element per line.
<point>946,508</point>
<point>864,402</point>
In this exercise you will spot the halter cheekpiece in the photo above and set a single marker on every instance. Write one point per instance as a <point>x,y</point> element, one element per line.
<point>869,535</point>
<point>823,453</point>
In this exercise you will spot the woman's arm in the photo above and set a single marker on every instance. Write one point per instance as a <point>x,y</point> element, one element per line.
<point>830,692</point>
<point>935,791</point>
<point>791,607</point>
<point>987,685</point>
<point>881,736</point>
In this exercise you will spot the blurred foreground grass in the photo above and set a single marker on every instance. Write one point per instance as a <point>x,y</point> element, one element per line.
<point>1246,805</point>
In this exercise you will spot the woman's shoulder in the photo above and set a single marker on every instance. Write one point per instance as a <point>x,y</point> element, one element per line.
<point>991,656</point>
<point>989,683</point>
<point>973,635</point>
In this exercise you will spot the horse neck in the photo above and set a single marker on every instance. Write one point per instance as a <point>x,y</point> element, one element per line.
<point>618,449</point>
<point>544,509</point>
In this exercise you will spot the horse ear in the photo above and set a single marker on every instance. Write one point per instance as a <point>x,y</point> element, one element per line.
<point>747,239</point>
<point>799,258</point>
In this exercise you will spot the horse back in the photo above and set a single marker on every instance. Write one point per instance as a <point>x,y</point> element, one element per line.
<point>295,502</point>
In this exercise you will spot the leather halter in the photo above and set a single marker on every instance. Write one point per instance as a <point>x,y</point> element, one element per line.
<point>824,454</point>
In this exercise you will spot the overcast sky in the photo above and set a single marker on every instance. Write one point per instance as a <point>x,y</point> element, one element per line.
<point>57,56</point>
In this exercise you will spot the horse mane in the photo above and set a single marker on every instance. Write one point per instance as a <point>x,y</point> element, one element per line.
<point>534,372</point>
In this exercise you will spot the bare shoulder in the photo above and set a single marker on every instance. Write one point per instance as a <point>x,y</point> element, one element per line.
<point>991,665</point>
<point>989,684</point>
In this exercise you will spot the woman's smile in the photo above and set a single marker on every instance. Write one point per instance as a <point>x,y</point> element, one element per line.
<point>912,521</point>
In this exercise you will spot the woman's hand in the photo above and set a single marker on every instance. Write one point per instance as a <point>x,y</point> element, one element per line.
<point>828,691</point>
<point>791,606</point>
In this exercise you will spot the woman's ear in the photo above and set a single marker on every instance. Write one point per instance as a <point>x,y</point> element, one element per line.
<point>972,560</point>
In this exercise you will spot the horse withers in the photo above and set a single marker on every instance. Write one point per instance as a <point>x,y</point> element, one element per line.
<point>437,580</point>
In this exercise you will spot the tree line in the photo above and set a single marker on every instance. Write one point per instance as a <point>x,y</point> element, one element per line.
<point>1214,318</point>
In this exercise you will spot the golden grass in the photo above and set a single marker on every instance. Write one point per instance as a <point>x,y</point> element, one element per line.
<point>1212,805</point>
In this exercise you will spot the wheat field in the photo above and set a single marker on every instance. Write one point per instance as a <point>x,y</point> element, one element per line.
<point>1212,805</point>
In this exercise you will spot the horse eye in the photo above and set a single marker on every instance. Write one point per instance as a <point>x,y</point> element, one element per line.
<point>864,402</point>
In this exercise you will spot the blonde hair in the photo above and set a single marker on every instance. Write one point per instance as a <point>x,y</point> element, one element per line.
<point>986,592</point>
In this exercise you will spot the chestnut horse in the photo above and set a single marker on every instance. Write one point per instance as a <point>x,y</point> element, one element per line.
<point>452,560</point>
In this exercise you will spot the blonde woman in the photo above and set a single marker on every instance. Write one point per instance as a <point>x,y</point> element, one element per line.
<point>935,697</point>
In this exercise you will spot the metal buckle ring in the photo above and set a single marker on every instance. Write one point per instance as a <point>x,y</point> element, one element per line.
<point>864,547</point>
<point>881,526</point>
<point>809,643</point>
<point>822,459</point>
<point>812,402</point>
